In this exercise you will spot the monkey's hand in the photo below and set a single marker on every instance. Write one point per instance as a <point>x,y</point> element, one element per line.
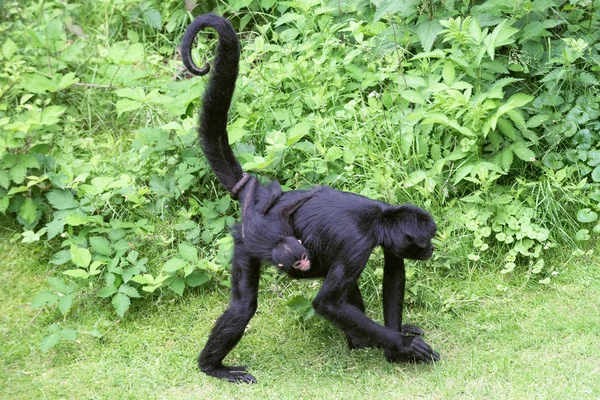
<point>412,349</point>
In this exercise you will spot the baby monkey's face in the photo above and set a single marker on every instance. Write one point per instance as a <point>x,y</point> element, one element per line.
<point>291,254</point>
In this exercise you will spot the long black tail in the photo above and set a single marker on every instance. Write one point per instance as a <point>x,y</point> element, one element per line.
<point>212,127</point>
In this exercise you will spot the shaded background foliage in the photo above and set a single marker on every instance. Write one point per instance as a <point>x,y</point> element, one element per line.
<point>485,113</point>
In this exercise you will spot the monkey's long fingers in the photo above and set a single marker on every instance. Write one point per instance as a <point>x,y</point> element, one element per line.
<point>412,330</point>
<point>239,377</point>
<point>422,352</point>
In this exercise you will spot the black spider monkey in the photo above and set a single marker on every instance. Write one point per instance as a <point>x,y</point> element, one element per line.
<point>340,230</point>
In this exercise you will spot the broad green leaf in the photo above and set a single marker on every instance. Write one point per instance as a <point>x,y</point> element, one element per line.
<point>36,83</point>
<point>177,286</point>
<point>507,128</point>
<point>121,303</point>
<point>516,117</point>
<point>77,273</point>
<point>18,173</point>
<point>101,245</point>
<point>9,48</point>
<point>100,183</point>
<point>496,91</point>
<point>76,219</point>
<point>286,18</point>
<point>51,115</point>
<point>128,290</point>
<point>4,179</point>
<point>500,36</point>
<point>150,288</point>
<point>596,174</point>
<point>427,31</point>
<point>428,54</point>
<point>30,236</point>
<point>413,96</point>
<point>519,99</point>
<point>189,268</point>
<point>196,278</point>
<point>107,291</point>
<point>28,161</point>
<point>188,252</point>
<point>522,151</point>
<point>49,341</point>
<point>506,159</point>
<point>134,54</point>
<point>55,227</point>
<point>61,257</point>
<point>153,19</point>
<point>173,265</point>
<point>132,257</point>
<point>516,100</point>
<point>80,256</point>
<point>236,131</point>
<point>58,284</point>
<point>334,153</point>
<point>582,235</point>
<point>537,120</point>
<point>299,303</point>
<point>44,298</point>
<point>64,303</point>
<point>462,172</point>
<point>586,215</point>
<point>28,211</point>
<point>67,80</point>
<point>127,105</point>
<point>62,199</point>
<point>297,132</point>
<point>404,8</point>
<point>94,333</point>
<point>448,72</point>
<point>18,189</point>
<point>69,334</point>
<point>143,279</point>
<point>4,203</point>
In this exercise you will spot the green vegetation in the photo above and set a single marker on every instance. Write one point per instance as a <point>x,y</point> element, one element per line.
<point>518,342</point>
<point>116,245</point>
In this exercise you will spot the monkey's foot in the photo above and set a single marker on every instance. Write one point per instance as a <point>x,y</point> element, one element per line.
<point>231,373</point>
<point>410,329</point>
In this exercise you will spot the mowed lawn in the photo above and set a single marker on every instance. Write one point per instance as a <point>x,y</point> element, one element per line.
<point>516,340</point>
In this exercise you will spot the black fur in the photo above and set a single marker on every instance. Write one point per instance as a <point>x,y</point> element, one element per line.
<point>266,229</point>
<point>268,234</point>
<point>212,129</point>
<point>339,229</point>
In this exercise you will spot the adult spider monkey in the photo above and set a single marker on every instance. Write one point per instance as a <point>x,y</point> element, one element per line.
<point>339,229</point>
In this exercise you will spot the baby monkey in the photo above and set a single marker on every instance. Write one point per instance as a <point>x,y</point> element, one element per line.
<point>266,223</point>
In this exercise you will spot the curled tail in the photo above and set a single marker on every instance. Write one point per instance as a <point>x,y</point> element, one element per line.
<point>212,127</point>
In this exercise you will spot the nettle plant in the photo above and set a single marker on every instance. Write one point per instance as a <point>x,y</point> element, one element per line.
<point>472,124</point>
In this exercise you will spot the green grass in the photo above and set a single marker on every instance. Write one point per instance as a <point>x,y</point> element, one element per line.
<point>529,341</point>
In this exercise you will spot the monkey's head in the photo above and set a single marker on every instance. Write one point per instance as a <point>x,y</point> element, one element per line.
<point>289,253</point>
<point>408,231</point>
